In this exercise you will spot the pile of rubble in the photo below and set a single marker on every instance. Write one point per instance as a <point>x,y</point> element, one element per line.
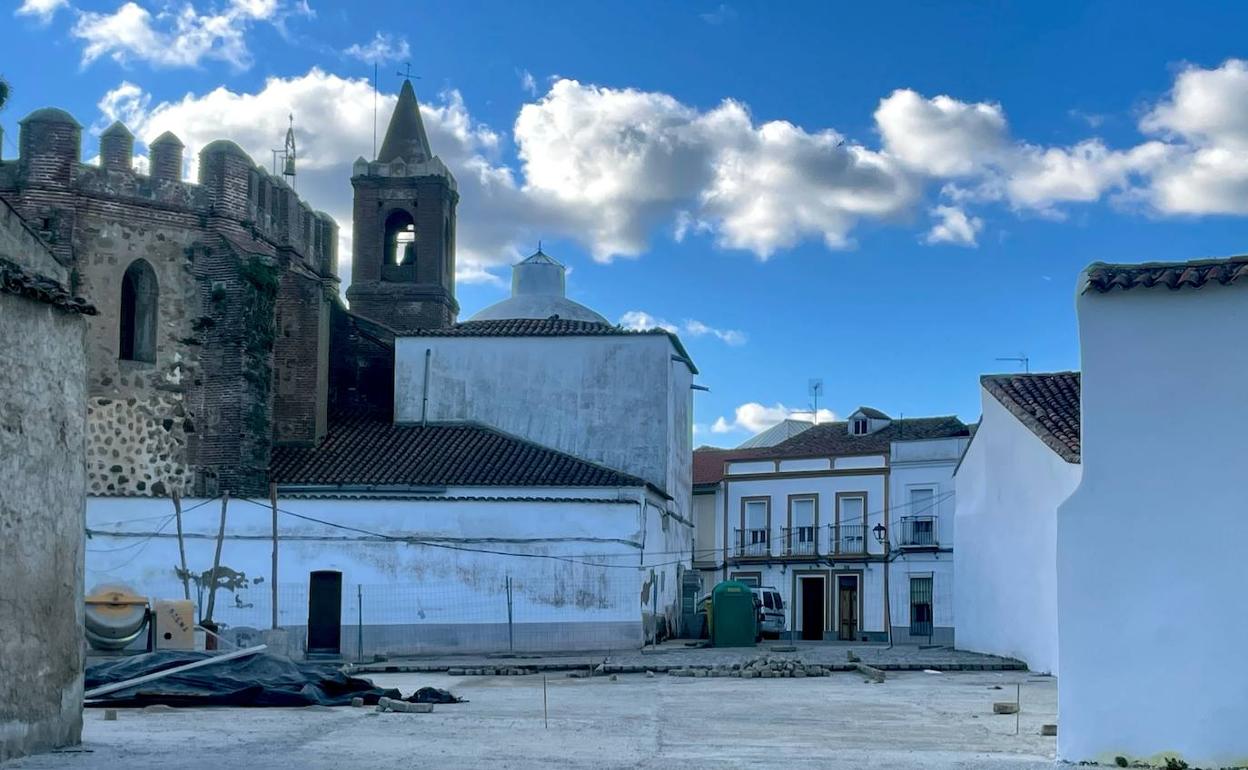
<point>490,671</point>
<point>762,667</point>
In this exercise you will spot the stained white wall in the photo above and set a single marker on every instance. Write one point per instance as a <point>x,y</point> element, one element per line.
<point>617,400</point>
<point>1150,545</point>
<point>133,540</point>
<point>1008,488</point>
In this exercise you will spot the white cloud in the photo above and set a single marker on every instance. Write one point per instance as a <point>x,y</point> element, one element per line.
<point>381,49</point>
<point>754,417</point>
<point>41,10</point>
<point>639,320</point>
<point>610,168</point>
<point>721,15</point>
<point>954,226</point>
<point>528,83</point>
<point>941,136</point>
<point>617,162</point>
<point>176,36</point>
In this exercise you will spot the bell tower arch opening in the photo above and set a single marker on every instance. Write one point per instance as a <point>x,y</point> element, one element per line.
<point>403,266</point>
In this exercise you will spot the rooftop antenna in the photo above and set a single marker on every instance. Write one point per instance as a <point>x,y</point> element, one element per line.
<point>815,388</point>
<point>1021,358</point>
<point>374,110</point>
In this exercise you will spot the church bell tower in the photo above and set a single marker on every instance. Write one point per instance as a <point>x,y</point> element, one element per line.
<point>403,257</point>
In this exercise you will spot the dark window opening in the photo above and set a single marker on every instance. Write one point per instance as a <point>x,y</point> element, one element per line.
<point>921,606</point>
<point>400,239</point>
<point>138,313</point>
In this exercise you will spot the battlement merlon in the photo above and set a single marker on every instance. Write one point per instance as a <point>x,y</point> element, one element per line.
<point>230,184</point>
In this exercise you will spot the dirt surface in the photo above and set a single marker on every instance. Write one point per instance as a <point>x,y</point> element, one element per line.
<point>913,720</point>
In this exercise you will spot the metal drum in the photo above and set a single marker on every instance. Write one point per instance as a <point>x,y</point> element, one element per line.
<point>115,616</point>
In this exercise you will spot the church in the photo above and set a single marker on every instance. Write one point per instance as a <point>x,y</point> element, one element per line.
<point>519,480</point>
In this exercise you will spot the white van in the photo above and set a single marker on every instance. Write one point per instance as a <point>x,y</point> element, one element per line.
<point>771,611</point>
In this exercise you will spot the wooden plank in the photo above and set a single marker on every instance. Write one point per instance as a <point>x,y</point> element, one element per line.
<point>115,686</point>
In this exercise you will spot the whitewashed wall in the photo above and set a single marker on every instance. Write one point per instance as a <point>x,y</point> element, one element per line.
<point>617,400</point>
<point>417,598</point>
<point>1009,486</point>
<point>1151,591</point>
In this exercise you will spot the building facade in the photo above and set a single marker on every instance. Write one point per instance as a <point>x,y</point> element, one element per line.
<point>832,514</point>
<point>1149,591</point>
<point>1020,466</point>
<point>43,408</point>
<point>426,462</point>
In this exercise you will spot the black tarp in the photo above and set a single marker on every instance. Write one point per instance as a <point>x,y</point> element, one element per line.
<point>256,680</point>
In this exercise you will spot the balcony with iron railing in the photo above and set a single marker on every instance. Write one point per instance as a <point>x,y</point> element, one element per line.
<point>847,539</point>
<point>799,542</point>
<point>918,532</point>
<point>752,543</point>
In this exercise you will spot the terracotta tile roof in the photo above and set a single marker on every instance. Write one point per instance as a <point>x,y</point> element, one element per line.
<point>1102,277</point>
<point>547,327</point>
<point>1048,404</point>
<point>828,439</point>
<point>14,279</point>
<point>364,451</point>
<point>832,439</point>
<point>708,462</point>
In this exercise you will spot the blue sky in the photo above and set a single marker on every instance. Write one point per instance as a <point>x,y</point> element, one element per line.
<point>886,196</point>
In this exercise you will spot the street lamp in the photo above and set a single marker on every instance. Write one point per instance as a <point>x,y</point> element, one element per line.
<point>881,536</point>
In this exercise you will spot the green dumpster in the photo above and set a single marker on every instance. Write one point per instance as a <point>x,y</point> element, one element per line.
<point>733,617</point>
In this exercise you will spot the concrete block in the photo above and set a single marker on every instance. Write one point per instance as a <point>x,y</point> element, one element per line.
<point>455,672</point>
<point>110,715</point>
<point>1049,730</point>
<point>357,702</point>
<point>1005,708</point>
<point>403,707</point>
<point>871,672</point>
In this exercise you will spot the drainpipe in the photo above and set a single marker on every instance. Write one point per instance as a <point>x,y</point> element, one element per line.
<point>424,394</point>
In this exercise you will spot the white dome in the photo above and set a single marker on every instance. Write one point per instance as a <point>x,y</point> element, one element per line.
<point>537,291</point>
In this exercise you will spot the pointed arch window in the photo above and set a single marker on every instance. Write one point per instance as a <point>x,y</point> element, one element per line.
<point>139,298</point>
<point>400,239</point>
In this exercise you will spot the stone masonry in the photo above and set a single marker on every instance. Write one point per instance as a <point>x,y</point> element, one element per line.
<point>245,286</point>
<point>42,448</point>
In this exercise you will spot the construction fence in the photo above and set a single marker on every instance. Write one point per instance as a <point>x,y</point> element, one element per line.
<point>546,613</point>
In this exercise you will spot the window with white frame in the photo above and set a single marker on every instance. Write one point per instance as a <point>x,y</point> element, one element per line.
<point>801,535</point>
<point>754,533</point>
<point>851,524</point>
<point>859,426</point>
<point>918,525</point>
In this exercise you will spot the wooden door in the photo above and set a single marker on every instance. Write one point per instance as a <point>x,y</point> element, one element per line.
<point>847,607</point>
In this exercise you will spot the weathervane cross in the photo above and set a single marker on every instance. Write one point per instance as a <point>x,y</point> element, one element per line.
<point>407,75</point>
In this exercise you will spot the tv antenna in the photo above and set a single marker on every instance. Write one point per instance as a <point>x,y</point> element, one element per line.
<point>1021,358</point>
<point>815,389</point>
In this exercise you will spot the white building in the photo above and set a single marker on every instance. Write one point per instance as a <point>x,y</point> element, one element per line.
<point>1022,463</point>
<point>815,514</point>
<point>1150,587</point>
<point>532,492</point>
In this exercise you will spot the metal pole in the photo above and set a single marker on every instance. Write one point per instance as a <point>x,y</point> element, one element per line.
<point>545,711</point>
<point>1018,704</point>
<point>216,562</point>
<point>654,612</point>
<point>511,642</point>
<point>888,608</point>
<point>359,623</point>
<point>273,577</point>
<point>186,577</point>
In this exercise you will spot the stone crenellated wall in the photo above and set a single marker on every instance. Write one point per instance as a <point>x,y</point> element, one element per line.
<point>200,416</point>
